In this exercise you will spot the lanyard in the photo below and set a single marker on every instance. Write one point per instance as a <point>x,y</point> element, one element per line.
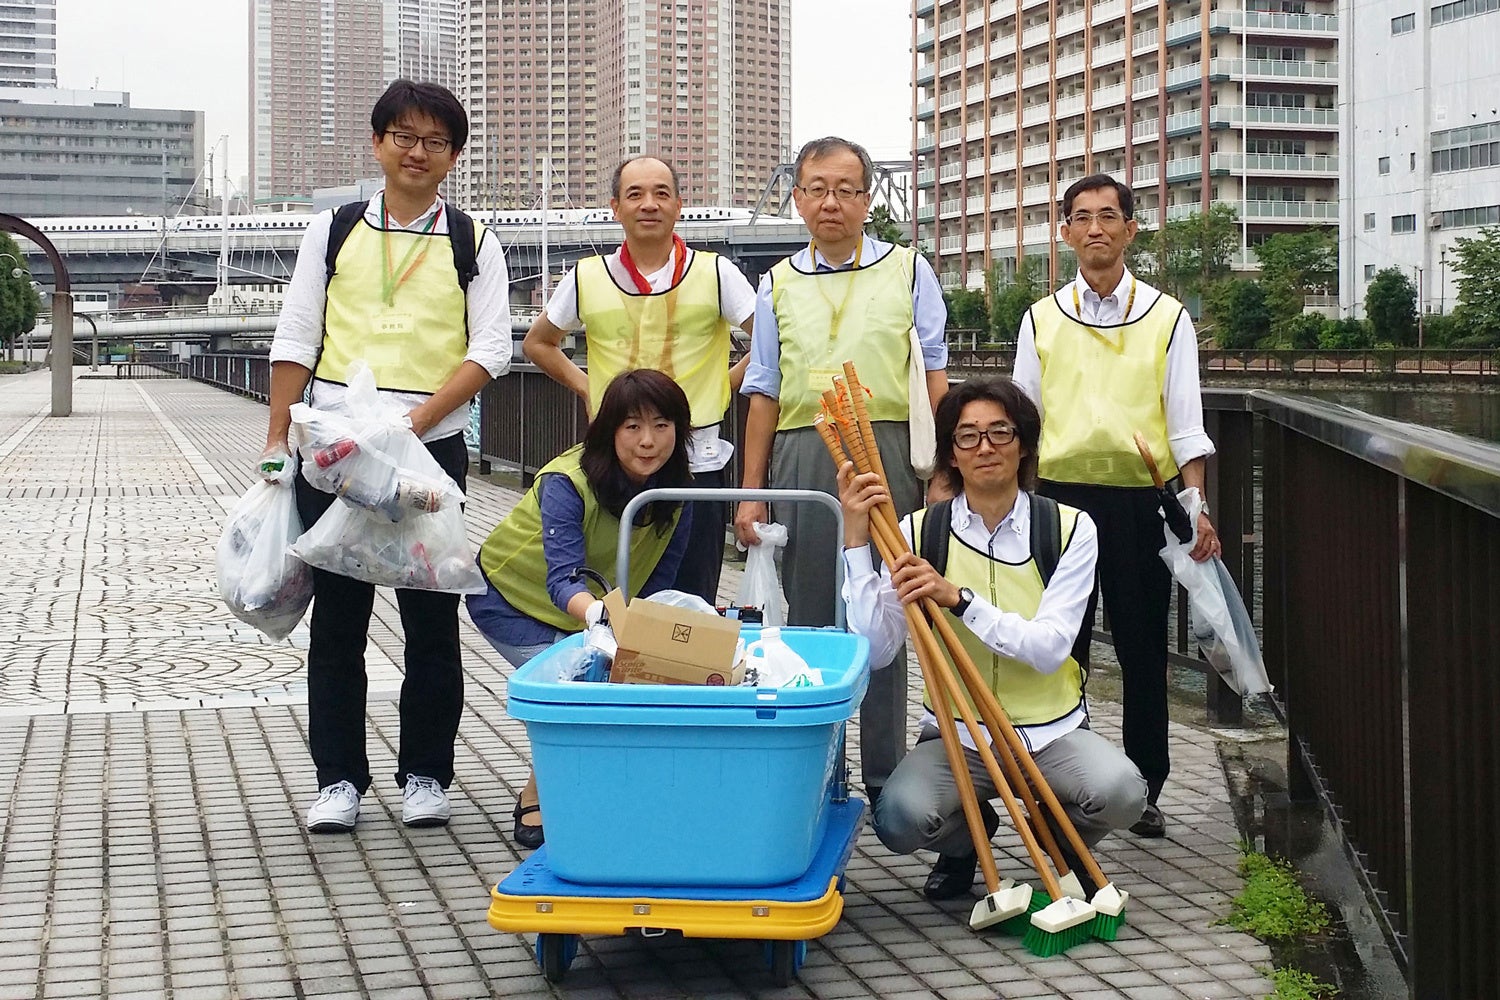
<point>1129,304</point>
<point>679,251</point>
<point>838,310</point>
<point>390,280</point>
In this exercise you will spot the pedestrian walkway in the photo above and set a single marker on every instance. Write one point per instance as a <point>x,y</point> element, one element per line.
<point>154,772</point>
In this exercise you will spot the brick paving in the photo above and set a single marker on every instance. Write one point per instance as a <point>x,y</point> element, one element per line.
<point>154,772</point>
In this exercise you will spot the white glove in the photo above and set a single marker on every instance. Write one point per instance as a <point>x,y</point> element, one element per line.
<point>594,612</point>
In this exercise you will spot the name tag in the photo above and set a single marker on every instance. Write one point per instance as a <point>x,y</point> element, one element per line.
<point>394,324</point>
<point>820,380</point>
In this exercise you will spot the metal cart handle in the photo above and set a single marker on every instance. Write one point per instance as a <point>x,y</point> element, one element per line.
<point>627,518</point>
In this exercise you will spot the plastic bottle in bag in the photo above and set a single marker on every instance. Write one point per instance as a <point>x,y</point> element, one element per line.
<point>777,664</point>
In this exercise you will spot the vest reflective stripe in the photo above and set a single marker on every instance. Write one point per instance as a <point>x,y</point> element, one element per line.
<point>680,332</point>
<point>1029,697</point>
<point>513,558</point>
<point>414,345</point>
<point>827,318</point>
<point>1098,388</point>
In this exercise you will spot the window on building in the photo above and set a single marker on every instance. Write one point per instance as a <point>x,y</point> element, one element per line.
<point>1444,12</point>
<point>1369,222</point>
<point>1384,165</point>
<point>1369,272</point>
<point>1461,218</point>
<point>1403,224</point>
<point>1403,24</point>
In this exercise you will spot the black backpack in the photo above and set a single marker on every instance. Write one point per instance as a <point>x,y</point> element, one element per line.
<point>1046,549</point>
<point>460,235</point>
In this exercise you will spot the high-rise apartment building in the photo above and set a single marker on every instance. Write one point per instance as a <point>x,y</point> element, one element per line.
<point>28,43</point>
<point>702,83</point>
<point>316,69</point>
<point>1190,102</point>
<point>1421,141</point>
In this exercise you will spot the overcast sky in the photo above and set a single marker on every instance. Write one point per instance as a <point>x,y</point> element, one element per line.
<point>851,65</point>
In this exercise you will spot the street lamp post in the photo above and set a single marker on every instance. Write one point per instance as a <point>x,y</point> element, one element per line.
<point>1442,277</point>
<point>62,314</point>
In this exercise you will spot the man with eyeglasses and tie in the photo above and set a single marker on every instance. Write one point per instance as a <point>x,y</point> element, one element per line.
<point>846,297</point>
<point>419,292</point>
<point>1104,357</point>
<point>657,303</point>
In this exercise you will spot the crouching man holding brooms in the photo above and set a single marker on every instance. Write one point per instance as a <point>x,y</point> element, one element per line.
<point>1017,571</point>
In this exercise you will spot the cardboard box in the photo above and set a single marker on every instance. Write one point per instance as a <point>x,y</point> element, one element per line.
<point>660,644</point>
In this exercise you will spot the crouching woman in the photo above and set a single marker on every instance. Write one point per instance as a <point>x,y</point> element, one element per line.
<point>1017,611</point>
<point>570,519</point>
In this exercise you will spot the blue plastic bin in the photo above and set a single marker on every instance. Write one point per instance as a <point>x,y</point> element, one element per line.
<point>678,785</point>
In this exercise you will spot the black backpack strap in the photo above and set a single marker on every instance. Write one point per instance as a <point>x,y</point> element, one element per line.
<point>344,220</point>
<point>936,525</point>
<point>1046,535</point>
<point>465,253</point>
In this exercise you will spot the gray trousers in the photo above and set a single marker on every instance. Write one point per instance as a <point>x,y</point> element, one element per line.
<point>799,460</point>
<point>1098,786</point>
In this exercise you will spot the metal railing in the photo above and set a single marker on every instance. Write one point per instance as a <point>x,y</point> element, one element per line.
<point>1397,363</point>
<point>152,369</point>
<point>246,374</point>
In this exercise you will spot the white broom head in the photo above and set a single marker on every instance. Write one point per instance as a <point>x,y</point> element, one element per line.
<point>1062,914</point>
<point>1110,901</point>
<point>1008,901</point>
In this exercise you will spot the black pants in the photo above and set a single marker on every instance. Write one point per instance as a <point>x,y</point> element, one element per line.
<point>1137,591</point>
<point>704,559</point>
<point>432,692</point>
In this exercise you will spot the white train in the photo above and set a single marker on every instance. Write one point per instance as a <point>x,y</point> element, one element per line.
<point>282,222</point>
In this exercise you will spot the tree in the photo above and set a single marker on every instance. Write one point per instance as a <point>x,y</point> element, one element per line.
<point>1391,308</point>
<point>1477,273</point>
<point>967,310</point>
<point>882,227</point>
<point>1009,299</point>
<point>1245,318</point>
<point>1348,334</point>
<point>1188,256</point>
<point>19,302</point>
<point>1291,264</point>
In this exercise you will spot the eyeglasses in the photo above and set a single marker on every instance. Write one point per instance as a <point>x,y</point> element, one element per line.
<point>1108,218</point>
<point>817,192</point>
<point>431,143</point>
<point>968,438</point>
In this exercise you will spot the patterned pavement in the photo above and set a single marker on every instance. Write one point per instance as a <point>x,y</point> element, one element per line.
<point>154,771</point>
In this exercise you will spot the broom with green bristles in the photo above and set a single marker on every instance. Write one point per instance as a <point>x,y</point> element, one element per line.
<point>1065,921</point>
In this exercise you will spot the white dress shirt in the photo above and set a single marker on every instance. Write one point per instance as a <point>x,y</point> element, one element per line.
<point>707,452</point>
<point>299,328</point>
<point>1180,390</point>
<point>1044,641</point>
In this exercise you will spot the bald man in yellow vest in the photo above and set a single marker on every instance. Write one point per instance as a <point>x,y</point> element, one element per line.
<point>657,303</point>
<point>1104,357</point>
<point>847,297</point>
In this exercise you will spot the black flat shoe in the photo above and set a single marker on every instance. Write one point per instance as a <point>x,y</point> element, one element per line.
<point>951,877</point>
<point>1151,824</point>
<point>529,837</point>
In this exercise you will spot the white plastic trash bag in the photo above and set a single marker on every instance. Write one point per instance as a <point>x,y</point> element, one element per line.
<point>430,552</point>
<point>760,587</point>
<point>1217,616</point>
<point>260,581</point>
<point>682,599</point>
<point>368,455</point>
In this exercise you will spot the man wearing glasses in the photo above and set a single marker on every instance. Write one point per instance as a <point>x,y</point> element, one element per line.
<point>1015,572</point>
<point>846,297</point>
<point>416,290</point>
<point>657,303</point>
<point>1104,357</point>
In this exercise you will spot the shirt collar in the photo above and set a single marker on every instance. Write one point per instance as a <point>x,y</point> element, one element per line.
<point>377,203</point>
<point>1087,293</point>
<point>1017,521</point>
<point>870,250</point>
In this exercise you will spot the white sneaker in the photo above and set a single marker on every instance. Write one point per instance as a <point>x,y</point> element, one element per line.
<point>426,804</point>
<point>336,810</point>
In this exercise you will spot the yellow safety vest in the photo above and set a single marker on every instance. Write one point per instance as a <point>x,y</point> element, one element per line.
<point>1029,697</point>
<point>825,318</point>
<point>513,558</point>
<point>1100,385</point>
<point>412,345</point>
<point>680,332</point>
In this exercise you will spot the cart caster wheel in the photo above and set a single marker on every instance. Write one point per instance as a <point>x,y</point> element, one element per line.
<point>842,885</point>
<point>555,954</point>
<point>785,959</point>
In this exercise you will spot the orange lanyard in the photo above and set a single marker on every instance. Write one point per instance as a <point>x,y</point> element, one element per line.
<point>1129,304</point>
<point>838,310</point>
<point>391,280</point>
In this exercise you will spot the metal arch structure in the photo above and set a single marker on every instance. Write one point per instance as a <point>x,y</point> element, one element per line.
<point>62,313</point>
<point>887,189</point>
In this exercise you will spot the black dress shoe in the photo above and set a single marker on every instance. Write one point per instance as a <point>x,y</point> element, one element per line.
<point>1151,824</point>
<point>525,835</point>
<point>951,877</point>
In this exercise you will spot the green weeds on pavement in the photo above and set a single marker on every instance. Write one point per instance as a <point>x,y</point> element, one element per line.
<point>1294,984</point>
<point>1274,908</point>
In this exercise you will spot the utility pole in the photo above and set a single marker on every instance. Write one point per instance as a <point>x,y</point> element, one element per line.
<point>1442,278</point>
<point>1421,306</point>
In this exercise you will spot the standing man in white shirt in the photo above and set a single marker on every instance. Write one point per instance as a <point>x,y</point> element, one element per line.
<point>1104,357</point>
<point>434,284</point>
<point>657,303</point>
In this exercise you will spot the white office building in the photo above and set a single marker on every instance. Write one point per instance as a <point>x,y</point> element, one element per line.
<point>1420,140</point>
<point>28,43</point>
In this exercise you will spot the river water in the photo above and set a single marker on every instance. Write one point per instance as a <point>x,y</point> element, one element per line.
<point>1476,414</point>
